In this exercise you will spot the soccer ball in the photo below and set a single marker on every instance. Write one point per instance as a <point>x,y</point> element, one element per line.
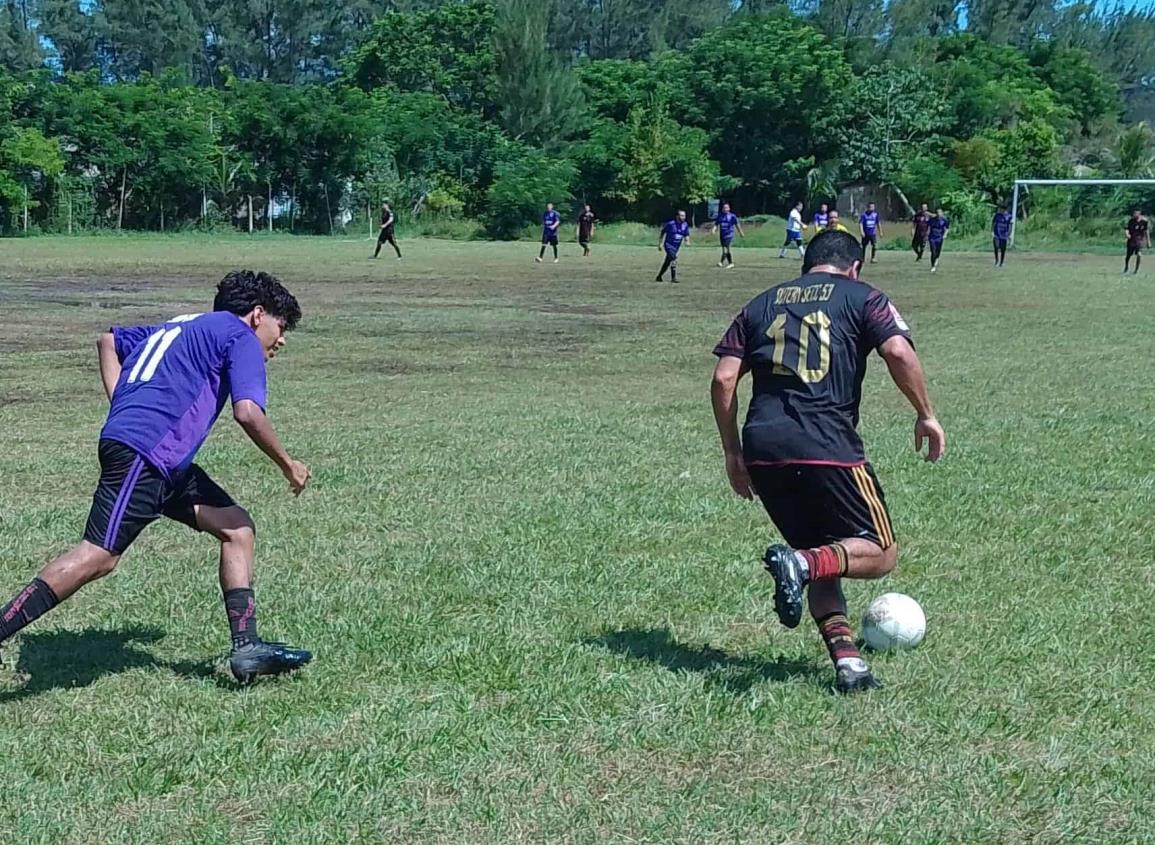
<point>893,621</point>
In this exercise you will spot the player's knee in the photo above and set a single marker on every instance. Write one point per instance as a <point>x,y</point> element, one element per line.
<point>240,529</point>
<point>98,563</point>
<point>889,559</point>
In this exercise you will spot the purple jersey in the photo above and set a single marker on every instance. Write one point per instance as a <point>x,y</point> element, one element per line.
<point>549,223</point>
<point>174,380</point>
<point>1001,225</point>
<point>727,222</point>
<point>821,218</point>
<point>675,231</point>
<point>938,227</point>
<point>869,222</point>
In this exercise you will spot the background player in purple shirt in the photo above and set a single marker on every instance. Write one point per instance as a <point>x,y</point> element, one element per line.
<point>550,223</point>
<point>937,230</point>
<point>806,343</point>
<point>725,225</point>
<point>674,233</point>
<point>1000,233</point>
<point>166,384</point>
<point>821,218</point>
<point>870,227</point>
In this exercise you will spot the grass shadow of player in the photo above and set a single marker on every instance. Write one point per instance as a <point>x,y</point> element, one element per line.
<point>71,659</point>
<point>734,673</point>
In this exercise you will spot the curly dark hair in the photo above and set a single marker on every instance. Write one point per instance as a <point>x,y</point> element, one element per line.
<point>243,290</point>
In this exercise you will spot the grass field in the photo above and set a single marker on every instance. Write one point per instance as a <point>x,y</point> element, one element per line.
<point>538,613</point>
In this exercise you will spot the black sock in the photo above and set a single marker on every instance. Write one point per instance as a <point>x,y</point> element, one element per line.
<point>377,251</point>
<point>242,611</point>
<point>26,607</point>
<point>542,253</point>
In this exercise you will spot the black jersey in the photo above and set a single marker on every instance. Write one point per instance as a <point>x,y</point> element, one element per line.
<point>806,343</point>
<point>1137,232</point>
<point>586,225</point>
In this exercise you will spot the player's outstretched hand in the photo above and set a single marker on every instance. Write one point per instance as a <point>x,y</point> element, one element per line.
<point>739,476</point>
<point>298,477</point>
<point>932,432</point>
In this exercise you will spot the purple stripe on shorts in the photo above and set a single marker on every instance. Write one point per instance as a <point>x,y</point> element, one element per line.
<point>122,502</point>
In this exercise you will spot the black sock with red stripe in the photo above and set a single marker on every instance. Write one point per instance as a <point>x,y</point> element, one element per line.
<point>826,562</point>
<point>26,607</point>
<point>839,639</point>
<point>242,611</point>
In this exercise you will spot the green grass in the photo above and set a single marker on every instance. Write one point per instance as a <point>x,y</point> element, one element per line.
<point>537,612</point>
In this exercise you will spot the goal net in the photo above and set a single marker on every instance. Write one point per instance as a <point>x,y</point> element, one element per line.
<point>1093,209</point>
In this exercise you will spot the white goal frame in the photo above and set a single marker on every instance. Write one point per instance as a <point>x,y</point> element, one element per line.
<point>1026,183</point>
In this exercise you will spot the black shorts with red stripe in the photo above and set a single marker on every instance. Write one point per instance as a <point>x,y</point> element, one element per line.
<point>816,504</point>
<point>132,494</point>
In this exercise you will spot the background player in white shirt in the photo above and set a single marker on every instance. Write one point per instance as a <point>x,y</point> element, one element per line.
<point>794,229</point>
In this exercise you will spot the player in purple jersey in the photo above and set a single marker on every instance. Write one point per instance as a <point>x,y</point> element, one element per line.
<point>937,229</point>
<point>726,224</point>
<point>674,233</point>
<point>166,385</point>
<point>870,228</point>
<point>806,344</point>
<point>821,219</point>
<point>1000,233</point>
<point>550,223</point>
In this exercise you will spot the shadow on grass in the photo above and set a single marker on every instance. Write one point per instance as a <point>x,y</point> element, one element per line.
<point>734,673</point>
<point>68,659</point>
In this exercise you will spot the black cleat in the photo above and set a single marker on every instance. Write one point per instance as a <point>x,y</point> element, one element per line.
<point>853,675</point>
<point>261,658</point>
<point>789,582</point>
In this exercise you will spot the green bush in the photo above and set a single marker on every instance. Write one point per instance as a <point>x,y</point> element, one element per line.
<point>521,190</point>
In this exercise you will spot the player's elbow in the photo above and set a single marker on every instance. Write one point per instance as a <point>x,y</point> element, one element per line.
<point>247,412</point>
<point>106,343</point>
<point>898,352</point>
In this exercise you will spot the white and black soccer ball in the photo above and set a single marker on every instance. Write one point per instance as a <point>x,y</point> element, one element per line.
<point>893,621</point>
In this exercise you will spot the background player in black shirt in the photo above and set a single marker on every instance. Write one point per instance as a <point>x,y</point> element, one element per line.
<point>806,342</point>
<point>585,229</point>
<point>1138,238</point>
<point>387,235</point>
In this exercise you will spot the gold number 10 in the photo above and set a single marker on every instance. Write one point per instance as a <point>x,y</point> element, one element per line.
<point>816,323</point>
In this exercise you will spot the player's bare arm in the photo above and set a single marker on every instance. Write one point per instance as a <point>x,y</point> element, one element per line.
<point>738,226</point>
<point>109,362</point>
<point>724,397</point>
<point>906,370</point>
<point>255,422</point>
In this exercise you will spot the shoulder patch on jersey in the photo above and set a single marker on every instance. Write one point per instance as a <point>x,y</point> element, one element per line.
<point>898,321</point>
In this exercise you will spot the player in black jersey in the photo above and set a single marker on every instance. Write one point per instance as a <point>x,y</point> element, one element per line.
<point>1138,235</point>
<point>387,234</point>
<point>806,342</point>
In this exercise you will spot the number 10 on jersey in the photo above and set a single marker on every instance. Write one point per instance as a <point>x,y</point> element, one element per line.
<point>814,326</point>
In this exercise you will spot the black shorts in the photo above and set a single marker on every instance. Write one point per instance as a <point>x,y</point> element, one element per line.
<point>387,236</point>
<point>936,249</point>
<point>869,239</point>
<point>815,504</point>
<point>132,494</point>
<point>1134,249</point>
<point>1000,243</point>
<point>549,240</point>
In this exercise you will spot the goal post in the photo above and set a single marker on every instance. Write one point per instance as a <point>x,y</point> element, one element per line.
<point>1027,183</point>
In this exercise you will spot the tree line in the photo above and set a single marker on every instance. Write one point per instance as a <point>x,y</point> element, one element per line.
<point>298,114</point>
